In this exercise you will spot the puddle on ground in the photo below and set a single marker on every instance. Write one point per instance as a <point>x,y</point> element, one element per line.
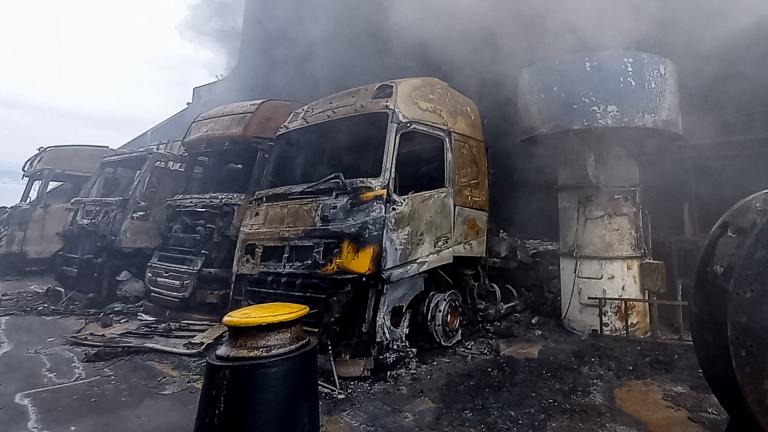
<point>643,401</point>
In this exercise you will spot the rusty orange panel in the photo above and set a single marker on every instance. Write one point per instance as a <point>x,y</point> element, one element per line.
<point>238,122</point>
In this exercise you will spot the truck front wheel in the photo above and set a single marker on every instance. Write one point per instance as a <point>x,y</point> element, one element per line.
<point>442,313</point>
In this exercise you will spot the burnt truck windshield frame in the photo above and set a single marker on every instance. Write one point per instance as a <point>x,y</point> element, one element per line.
<point>352,146</point>
<point>115,179</point>
<point>222,170</point>
<point>52,188</point>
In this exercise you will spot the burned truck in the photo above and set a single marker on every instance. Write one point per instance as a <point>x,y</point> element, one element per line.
<point>114,225</point>
<point>30,230</point>
<point>375,214</point>
<point>228,148</point>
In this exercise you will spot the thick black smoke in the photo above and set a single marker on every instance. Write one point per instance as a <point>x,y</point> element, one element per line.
<point>305,49</point>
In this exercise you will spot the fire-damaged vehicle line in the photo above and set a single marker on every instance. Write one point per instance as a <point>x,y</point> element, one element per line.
<point>115,223</point>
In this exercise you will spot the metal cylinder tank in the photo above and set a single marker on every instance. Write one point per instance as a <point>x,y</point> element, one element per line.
<point>728,309</point>
<point>599,112</point>
<point>264,377</point>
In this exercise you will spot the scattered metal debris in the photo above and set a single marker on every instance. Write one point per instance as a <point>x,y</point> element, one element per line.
<point>182,338</point>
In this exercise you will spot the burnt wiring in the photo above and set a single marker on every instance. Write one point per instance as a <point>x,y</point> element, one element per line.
<point>575,250</point>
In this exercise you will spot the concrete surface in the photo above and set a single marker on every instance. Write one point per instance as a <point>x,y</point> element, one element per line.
<point>523,374</point>
<point>45,386</point>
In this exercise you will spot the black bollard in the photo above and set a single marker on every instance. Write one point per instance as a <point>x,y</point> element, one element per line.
<point>264,377</point>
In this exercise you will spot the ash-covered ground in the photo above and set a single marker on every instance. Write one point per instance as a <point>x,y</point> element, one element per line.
<point>524,374</point>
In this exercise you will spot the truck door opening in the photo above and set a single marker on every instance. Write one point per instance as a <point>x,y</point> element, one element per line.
<point>420,163</point>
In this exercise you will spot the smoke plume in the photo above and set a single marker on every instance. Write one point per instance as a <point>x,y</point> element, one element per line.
<point>305,49</point>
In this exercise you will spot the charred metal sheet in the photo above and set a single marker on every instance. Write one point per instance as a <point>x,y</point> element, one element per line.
<point>470,232</point>
<point>417,228</point>
<point>394,315</point>
<point>238,122</point>
<point>470,173</point>
<point>426,100</point>
<point>614,89</point>
<point>326,236</point>
<point>175,337</point>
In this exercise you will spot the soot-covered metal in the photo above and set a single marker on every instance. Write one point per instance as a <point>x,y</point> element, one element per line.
<point>227,150</point>
<point>30,230</point>
<point>383,233</point>
<point>115,223</point>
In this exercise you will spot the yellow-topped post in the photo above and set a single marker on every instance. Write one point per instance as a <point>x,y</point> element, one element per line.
<point>265,314</point>
<point>264,376</point>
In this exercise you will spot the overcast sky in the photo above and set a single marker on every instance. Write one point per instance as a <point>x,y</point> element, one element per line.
<point>93,71</point>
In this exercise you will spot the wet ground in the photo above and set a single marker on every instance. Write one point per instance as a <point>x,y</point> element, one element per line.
<point>525,375</point>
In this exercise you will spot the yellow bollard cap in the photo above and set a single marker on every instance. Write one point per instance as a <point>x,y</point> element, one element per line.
<point>265,314</point>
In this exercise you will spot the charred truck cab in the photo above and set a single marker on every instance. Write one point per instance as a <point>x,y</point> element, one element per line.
<point>115,223</point>
<point>375,215</point>
<point>228,148</point>
<point>30,230</point>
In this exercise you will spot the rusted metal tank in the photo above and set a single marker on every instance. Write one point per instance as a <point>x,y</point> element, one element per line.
<point>728,309</point>
<point>599,111</point>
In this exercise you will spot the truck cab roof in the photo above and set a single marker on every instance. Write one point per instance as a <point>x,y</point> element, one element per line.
<point>67,159</point>
<point>237,123</point>
<point>421,99</point>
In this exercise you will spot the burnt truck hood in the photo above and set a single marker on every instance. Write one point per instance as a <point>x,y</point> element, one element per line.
<point>310,235</point>
<point>206,201</point>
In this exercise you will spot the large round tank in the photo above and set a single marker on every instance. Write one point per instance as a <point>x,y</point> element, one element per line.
<point>599,111</point>
<point>728,309</point>
<point>612,89</point>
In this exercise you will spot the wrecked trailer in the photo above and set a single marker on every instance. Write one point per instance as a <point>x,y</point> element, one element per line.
<point>115,223</point>
<point>228,148</point>
<point>30,230</point>
<point>375,215</point>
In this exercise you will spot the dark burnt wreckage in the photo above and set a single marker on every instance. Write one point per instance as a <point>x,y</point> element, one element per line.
<point>228,148</point>
<point>115,223</point>
<point>375,214</point>
<point>30,230</point>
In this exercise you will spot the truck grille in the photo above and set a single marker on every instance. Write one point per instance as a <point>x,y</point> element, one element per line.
<point>294,254</point>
